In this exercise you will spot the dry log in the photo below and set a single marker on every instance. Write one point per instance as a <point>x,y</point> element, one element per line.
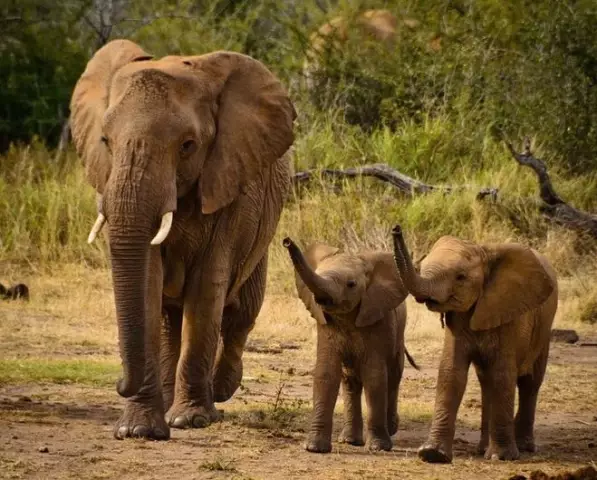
<point>553,206</point>
<point>407,185</point>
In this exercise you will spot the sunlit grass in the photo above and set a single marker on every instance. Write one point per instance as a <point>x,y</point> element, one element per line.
<point>86,372</point>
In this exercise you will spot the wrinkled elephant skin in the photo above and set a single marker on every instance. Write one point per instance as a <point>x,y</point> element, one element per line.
<point>357,300</point>
<point>188,156</point>
<point>499,302</point>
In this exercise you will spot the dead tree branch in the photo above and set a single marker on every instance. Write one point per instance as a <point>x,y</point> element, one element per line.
<point>407,185</point>
<point>553,207</point>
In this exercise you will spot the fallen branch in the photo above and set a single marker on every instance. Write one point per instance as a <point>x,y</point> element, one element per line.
<point>553,207</point>
<point>407,185</point>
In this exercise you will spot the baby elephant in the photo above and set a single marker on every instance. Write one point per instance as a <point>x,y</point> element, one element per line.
<point>357,300</point>
<point>499,302</point>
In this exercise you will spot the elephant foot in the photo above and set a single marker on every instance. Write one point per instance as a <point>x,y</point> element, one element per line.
<point>351,437</point>
<point>190,416</point>
<point>317,444</point>
<point>376,443</point>
<point>496,453</point>
<point>434,454</point>
<point>227,378</point>
<point>526,444</point>
<point>141,421</point>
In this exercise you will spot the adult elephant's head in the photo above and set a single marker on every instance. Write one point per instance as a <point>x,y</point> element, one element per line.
<point>494,282</point>
<point>151,131</point>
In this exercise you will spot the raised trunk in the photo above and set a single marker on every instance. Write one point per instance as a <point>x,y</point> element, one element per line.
<point>319,286</point>
<point>417,286</point>
<point>129,252</point>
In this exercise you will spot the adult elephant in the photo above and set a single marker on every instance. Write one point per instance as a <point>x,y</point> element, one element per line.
<point>499,302</point>
<point>188,156</point>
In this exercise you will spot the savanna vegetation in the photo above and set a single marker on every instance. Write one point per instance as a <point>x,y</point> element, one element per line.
<point>437,105</point>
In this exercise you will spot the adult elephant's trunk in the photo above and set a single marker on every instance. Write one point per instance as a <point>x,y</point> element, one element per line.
<point>419,287</point>
<point>321,288</point>
<point>129,252</point>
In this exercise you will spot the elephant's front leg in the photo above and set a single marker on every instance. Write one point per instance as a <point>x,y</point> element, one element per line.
<point>502,375</point>
<point>485,409</point>
<point>375,383</point>
<point>451,383</point>
<point>193,405</point>
<point>326,385</point>
<point>143,414</point>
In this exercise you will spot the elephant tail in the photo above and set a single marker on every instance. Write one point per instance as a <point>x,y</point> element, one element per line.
<point>411,359</point>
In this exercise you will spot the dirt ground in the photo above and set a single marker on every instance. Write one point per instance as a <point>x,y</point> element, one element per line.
<point>54,429</point>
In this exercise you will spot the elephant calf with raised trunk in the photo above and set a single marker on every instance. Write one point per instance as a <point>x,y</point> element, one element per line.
<point>357,300</point>
<point>188,158</point>
<point>499,302</point>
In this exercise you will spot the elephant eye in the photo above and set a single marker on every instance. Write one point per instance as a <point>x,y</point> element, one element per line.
<point>105,141</point>
<point>188,148</point>
<point>351,284</point>
<point>460,277</point>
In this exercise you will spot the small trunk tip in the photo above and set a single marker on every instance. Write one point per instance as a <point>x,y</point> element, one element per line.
<point>397,230</point>
<point>287,242</point>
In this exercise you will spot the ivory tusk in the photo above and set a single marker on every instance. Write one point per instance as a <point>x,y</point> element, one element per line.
<point>97,227</point>
<point>164,228</point>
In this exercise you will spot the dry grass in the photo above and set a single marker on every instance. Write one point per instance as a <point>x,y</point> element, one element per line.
<point>60,349</point>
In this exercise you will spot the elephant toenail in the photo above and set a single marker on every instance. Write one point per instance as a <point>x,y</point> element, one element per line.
<point>141,431</point>
<point>199,421</point>
<point>159,434</point>
<point>180,422</point>
<point>122,433</point>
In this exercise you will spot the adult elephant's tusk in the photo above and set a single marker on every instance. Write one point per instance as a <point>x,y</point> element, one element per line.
<point>164,228</point>
<point>97,227</point>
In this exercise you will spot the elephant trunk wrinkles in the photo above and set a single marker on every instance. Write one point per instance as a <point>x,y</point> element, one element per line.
<point>318,285</point>
<point>129,251</point>
<point>419,287</point>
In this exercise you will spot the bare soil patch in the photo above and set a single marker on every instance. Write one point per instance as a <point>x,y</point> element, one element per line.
<point>63,431</point>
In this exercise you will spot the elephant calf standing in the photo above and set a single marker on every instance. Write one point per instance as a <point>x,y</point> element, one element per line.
<point>499,302</point>
<point>357,301</point>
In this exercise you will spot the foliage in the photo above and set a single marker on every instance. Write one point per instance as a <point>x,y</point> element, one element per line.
<point>512,67</point>
<point>504,68</point>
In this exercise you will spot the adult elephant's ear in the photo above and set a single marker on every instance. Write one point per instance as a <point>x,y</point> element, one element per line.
<point>516,283</point>
<point>314,255</point>
<point>90,101</point>
<point>385,290</point>
<point>254,126</point>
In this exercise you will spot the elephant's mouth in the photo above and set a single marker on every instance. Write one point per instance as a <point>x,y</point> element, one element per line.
<point>433,305</point>
<point>324,301</point>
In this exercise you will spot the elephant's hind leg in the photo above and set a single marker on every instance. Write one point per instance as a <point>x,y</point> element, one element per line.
<point>238,321</point>
<point>528,390</point>
<point>352,388</point>
<point>394,379</point>
<point>169,351</point>
<point>485,410</point>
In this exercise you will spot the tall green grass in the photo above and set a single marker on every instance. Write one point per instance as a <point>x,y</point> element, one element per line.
<point>47,206</point>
